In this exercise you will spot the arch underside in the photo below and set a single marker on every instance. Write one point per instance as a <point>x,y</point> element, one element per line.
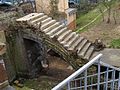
<point>68,56</point>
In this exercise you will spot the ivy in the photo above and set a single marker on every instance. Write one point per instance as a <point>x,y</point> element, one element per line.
<point>54,8</point>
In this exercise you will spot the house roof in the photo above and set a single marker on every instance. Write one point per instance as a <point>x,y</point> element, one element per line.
<point>2,48</point>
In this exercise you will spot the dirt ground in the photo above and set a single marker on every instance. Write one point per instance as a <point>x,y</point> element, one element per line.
<point>58,70</point>
<point>104,31</point>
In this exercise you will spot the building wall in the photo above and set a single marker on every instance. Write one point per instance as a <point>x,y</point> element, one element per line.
<point>72,25</point>
<point>9,73</point>
<point>71,20</point>
<point>3,75</point>
<point>63,5</point>
<point>71,17</point>
<point>44,6</point>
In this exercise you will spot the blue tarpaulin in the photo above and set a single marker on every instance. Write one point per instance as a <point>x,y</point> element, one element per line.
<point>9,2</point>
<point>75,1</point>
<point>14,2</point>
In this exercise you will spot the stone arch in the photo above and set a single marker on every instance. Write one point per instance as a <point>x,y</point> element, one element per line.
<point>18,47</point>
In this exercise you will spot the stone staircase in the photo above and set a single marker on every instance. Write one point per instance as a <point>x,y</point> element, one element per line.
<point>70,40</point>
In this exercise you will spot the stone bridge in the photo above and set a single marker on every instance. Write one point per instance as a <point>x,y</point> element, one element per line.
<point>37,32</point>
<point>75,50</point>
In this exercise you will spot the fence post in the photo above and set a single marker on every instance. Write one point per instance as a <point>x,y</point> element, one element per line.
<point>68,86</point>
<point>107,79</point>
<point>78,72</point>
<point>113,78</point>
<point>85,81</point>
<point>98,85</point>
<point>119,82</point>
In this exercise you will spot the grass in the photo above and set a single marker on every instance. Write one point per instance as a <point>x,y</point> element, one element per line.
<point>44,83</point>
<point>89,26</point>
<point>84,19</point>
<point>115,43</point>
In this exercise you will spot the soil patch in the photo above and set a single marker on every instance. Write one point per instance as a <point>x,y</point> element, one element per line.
<point>104,31</point>
<point>58,68</point>
<point>57,72</point>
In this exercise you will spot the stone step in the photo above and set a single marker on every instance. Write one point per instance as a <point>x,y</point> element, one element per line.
<point>84,50</point>
<point>46,20</point>
<point>64,35</point>
<point>55,30</point>
<point>68,38</point>
<point>4,83</point>
<point>73,47</point>
<point>74,40</point>
<point>48,24</point>
<point>51,27</point>
<point>60,32</point>
<point>35,17</point>
<point>69,44</point>
<point>26,18</point>
<point>39,19</point>
<point>89,53</point>
<point>81,45</point>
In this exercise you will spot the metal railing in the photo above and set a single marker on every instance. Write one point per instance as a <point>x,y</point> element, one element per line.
<point>95,75</point>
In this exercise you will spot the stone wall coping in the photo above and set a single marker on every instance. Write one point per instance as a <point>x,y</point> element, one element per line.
<point>4,84</point>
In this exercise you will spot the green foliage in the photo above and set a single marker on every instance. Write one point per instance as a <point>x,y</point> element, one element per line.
<point>44,83</point>
<point>115,43</point>
<point>89,26</point>
<point>85,6</point>
<point>54,8</point>
<point>109,5</point>
<point>85,18</point>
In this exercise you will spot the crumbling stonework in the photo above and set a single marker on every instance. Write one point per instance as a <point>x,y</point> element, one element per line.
<point>16,58</point>
<point>25,51</point>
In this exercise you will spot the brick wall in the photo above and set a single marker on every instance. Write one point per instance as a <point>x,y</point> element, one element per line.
<point>72,25</point>
<point>71,18</point>
<point>3,75</point>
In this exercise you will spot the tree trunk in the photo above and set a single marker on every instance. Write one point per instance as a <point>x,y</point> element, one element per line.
<point>114,16</point>
<point>102,13</point>
<point>109,14</point>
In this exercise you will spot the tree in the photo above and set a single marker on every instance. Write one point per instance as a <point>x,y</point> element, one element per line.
<point>54,8</point>
<point>108,4</point>
<point>114,16</point>
<point>102,12</point>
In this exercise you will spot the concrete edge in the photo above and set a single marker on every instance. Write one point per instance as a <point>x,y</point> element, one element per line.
<point>4,84</point>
